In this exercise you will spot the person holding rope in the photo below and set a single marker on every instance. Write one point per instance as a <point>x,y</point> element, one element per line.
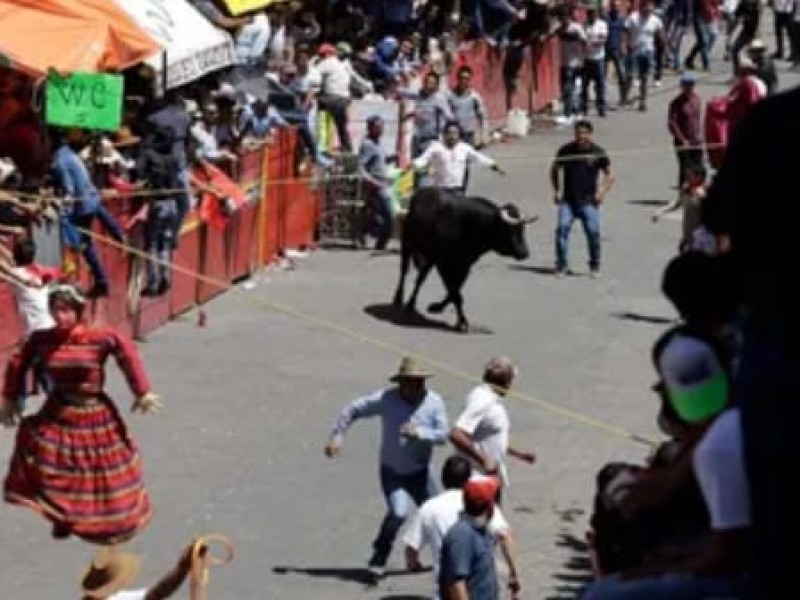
<point>449,160</point>
<point>74,462</point>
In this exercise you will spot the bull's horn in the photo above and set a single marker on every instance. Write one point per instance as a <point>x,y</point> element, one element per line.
<point>532,219</point>
<point>511,220</point>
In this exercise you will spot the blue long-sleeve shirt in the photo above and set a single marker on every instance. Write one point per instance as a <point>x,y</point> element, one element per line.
<point>402,455</point>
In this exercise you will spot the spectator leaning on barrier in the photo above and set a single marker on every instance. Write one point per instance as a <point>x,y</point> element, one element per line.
<point>373,165</point>
<point>468,109</point>
<point>334,95</point>
<point>160,169</point>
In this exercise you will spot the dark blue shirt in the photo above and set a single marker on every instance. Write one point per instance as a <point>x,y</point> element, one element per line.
<point>468,556</point>
<point>616,29</point>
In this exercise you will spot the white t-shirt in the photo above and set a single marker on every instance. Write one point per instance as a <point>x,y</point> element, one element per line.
<point>596,36</point>
<point>435,518</point>
<point>485,419</point>
<point>335,77</point>
<point>129,595</point>
<point>449,165</point>
<point>719,468</point>
<point>253,39</point>
<point>642,33</point>
<point>32,302</point>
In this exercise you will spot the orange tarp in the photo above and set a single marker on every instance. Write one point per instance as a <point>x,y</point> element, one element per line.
<point>70,35</point>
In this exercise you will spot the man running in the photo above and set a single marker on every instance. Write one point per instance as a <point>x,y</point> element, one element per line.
<point>413,421</point>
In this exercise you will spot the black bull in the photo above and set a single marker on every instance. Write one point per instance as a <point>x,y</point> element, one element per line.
<point>451,233</point>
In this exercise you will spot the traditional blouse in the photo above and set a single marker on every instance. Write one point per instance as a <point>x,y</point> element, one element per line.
<point>74,362</point>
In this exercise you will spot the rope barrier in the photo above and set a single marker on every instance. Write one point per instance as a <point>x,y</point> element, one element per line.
<point>334,327</point>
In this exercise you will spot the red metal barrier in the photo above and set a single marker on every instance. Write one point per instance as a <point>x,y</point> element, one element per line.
<point>10,323</point>
<point>187,256</point>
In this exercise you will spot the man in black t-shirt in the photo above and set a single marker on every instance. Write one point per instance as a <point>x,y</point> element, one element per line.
<point>574,175</point>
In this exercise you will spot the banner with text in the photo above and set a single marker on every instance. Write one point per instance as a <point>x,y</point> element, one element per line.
<point>84,100</point>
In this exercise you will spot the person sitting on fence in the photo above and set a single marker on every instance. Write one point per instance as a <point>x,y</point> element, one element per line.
<point>203,132</point>
<point>449,160</point>
<point>334,95</point>
<point>372,162</point>
<point>83,206</point>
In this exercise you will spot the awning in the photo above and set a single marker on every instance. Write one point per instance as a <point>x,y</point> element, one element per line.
<point>70,35</point>
<point>193,45</point>
<point>239,7</point>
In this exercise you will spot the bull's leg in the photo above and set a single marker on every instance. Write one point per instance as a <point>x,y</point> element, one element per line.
<point>423,269</point>
<point>399,293</point>
<point>454,277</point>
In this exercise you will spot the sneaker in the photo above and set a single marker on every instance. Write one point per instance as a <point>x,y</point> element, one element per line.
<point>561,273</point>
<point>657,83</point>
<point>595,274</point>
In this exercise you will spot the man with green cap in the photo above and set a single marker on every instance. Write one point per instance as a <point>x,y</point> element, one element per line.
<point>695,392</point>
<point>413,421</point>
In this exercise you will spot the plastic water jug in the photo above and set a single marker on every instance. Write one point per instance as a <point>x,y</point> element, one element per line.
<point>518,122</point>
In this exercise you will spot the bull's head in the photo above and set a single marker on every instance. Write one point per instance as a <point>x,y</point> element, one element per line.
<point>513,242</point>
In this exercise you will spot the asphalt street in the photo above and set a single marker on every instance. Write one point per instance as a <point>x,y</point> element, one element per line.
<point>251,397</point>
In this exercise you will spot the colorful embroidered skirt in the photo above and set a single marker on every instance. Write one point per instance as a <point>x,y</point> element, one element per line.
<point>77,466</point>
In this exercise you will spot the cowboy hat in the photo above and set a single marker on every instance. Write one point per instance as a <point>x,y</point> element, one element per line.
<point>410,369</point>
<point>124,137</point>
<point>109,573</point>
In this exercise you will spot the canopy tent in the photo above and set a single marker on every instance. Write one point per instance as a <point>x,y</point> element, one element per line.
<point>70,35</point>
<point>194,47</point>
<point>239,7</point>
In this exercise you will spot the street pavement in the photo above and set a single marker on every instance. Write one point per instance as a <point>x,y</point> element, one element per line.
<point>251,397</point>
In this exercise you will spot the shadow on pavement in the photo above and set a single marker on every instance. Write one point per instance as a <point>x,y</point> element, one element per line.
<point>533,269</point>
<point>396,316</point>
<point>648,202</point>
<point>351,574</point>
<point>576,572</point>
<point>404,597</point>
<point>640,318</point>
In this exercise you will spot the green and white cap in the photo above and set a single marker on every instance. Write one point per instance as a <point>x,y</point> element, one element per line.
<point>696,383</point>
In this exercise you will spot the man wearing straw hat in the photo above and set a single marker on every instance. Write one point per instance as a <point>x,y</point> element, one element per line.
<point>413,421</point>
<point>111,571</point>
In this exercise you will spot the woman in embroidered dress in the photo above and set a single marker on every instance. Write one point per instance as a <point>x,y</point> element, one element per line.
<point>74,462</point>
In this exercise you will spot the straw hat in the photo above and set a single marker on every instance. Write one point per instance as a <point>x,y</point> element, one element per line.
<point>109,573</point>
<point>410,369</point>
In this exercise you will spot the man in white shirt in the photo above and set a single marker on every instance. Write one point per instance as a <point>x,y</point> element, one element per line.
<point>697,390</point>
<point>334,96</point>
<point>594,65</point>
<point>643,30</point>
<point>481,432</point>
<point>33,297</point>
<point>449,160</point>
<point>111,571</point>
<point>437,515</point>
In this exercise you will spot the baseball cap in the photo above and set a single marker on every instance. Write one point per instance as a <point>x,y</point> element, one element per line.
<point>695,382</point>
<point>481,491</point>
<point>326,50</point>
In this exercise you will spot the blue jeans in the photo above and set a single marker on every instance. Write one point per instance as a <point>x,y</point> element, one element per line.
<point>569,76</point>
<point>382,225</point>
<point>672,586</point>
<point>74,228</point>
<point>589,216</point>
<point>159,241</point>
<point>594,71</point>
<point>398,491</point>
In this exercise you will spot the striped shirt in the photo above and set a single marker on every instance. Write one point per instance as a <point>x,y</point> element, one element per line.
<point>402,455</point>
<point>74,362</point>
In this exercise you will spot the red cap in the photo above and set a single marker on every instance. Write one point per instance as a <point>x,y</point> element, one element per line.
<point>481,491</point>
<point>327,50</point>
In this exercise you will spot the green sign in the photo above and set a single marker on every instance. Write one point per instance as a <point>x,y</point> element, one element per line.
<point>84,100</point>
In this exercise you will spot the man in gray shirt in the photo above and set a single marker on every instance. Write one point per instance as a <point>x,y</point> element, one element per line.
<point>372,162</point>
<point>413,421</point>
<point>467,107</point>
<point>431,113</point>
